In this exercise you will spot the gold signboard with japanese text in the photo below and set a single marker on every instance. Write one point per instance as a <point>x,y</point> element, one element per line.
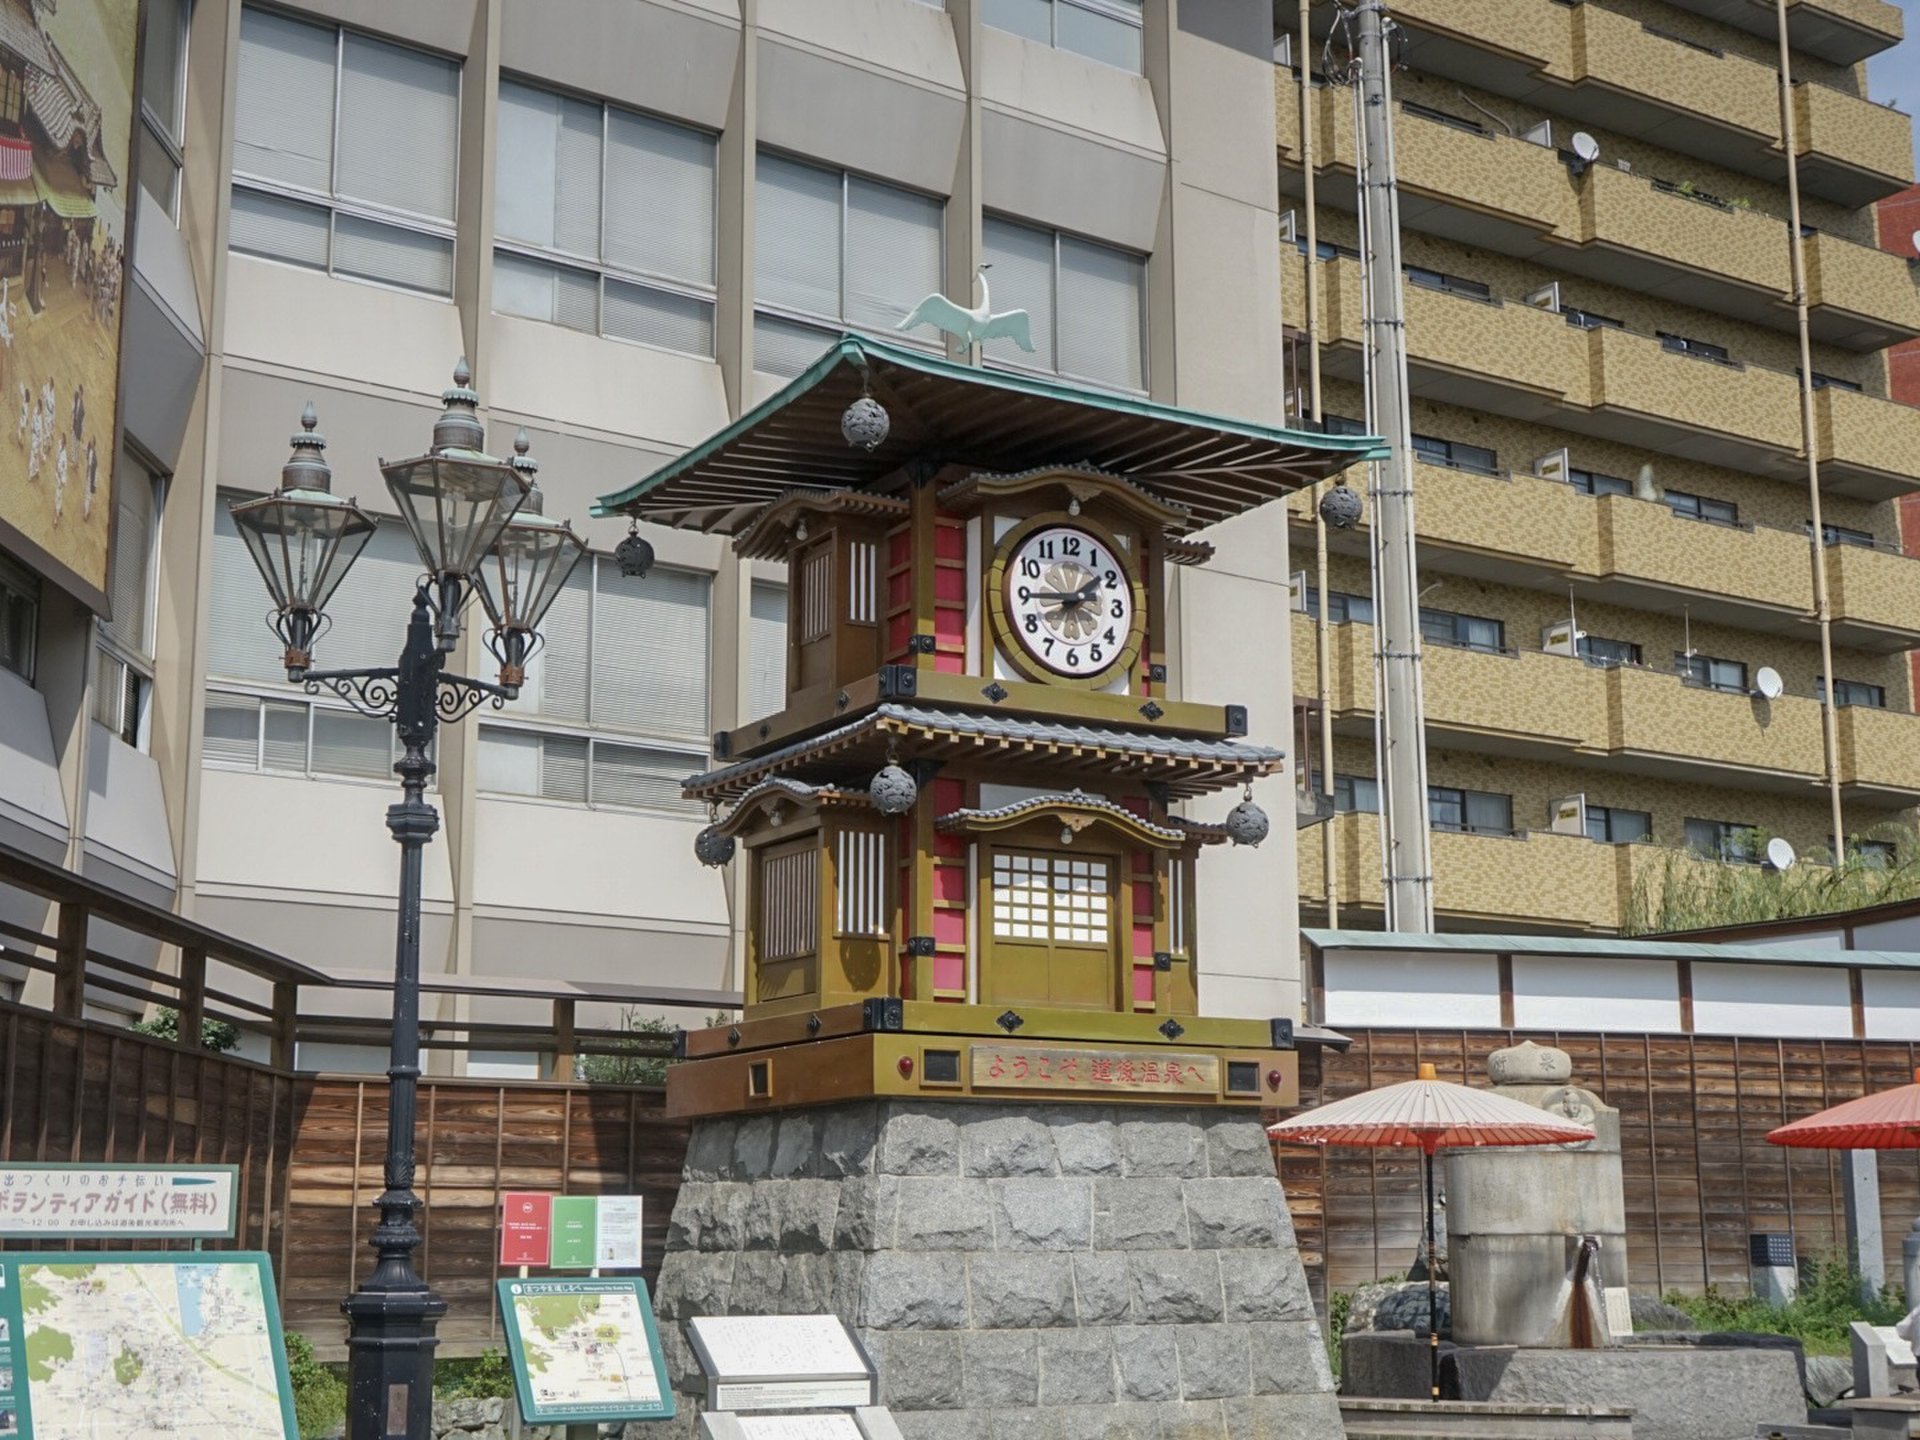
<point>1123,1072</point>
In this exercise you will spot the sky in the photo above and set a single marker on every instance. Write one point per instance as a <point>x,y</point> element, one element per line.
<point>1894,75</point>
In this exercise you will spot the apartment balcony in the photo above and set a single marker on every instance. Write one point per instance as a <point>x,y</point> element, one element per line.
<point>1869,447</point>
<point>1879,755</point>
<point>1852,151</point>
<point>1667,727</point>
<point>1525,530</point>
<point>1874,596</point>
<point>1518,198</point>
<point>1529,364</point>
<point>1532,704</point>
<point>1650,554</point>
<point>1858,296</point>
<point>1534,880</point>
<point>1596,67</point>
<point>1843,31</point>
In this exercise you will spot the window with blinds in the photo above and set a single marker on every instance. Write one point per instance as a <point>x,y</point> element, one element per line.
<point>345,153</point>
<point>1105,30</point>
<point>366,617</point>
<point>623,655</point>
<point>837,250</point>
<point>163,72</point>
<point>604,220</point>
<point>295,737</point>
<point>123,659</point>
<point>584,770</point>
<point>766,651</point>
<point>19,618</point>
<point>1086,303</point>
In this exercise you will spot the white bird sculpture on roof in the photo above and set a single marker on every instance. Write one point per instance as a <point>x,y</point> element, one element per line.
<point>971,327</point>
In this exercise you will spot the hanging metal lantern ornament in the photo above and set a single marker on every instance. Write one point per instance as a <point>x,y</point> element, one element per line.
<point>893,791</point>
<point>865,422</point>
<point>710,847</point>
<point>634,555</point>
<point>1340,506</point>
<point>1247,823</point>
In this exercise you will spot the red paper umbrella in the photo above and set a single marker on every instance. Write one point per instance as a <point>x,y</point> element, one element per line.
<point>1889,1120</point>
<point>1427,1114</point>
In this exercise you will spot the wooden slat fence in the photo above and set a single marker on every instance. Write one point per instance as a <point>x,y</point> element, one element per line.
<point>309,1149</point>
<point>1699,1173</point>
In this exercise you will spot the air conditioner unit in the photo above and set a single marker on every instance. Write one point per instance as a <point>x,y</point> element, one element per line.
<point>1567,815</point>
<point>1561,638</point>
<point>1297,591</point>
<point>1541,134</point>
<point>1296,403</point>
<point>1547,297</point>
<point>1554,465</point>
<point>1289,227</point>
<point>1283,50</point>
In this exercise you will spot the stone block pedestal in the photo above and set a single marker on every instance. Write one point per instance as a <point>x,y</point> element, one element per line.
<point>1040,1270</point>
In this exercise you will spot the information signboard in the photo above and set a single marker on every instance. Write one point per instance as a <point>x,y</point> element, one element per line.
<point>584,1350</point>
<point>141,1347</point>
<point>780,1362</point>
<point>617,1242</point>
<point>171,1202</point>
<point>574,1231</point>
<point>526,1227</point>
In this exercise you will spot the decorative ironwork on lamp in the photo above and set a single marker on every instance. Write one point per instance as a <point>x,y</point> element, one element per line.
<point>304,538</point>
<point>455,499</point>
<point>523,574</point>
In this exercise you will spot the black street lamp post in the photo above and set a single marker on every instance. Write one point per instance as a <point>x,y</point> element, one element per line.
<point>477,524</point>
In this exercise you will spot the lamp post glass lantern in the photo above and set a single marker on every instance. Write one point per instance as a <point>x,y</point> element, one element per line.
<point>460,505</point>
<point>523,575</point>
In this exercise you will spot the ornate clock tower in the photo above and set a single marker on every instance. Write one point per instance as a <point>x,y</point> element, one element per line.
<point>967,873</point>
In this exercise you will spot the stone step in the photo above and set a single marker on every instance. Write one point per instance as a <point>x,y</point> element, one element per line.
<point>1370,1419</point>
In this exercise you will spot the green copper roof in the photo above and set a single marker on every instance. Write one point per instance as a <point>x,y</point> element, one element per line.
<point>952,415</point>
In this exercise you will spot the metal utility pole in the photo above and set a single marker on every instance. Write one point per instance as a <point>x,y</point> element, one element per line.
<point>1809,438</point>
<point>1322,639</point>
<point>1402,759</point>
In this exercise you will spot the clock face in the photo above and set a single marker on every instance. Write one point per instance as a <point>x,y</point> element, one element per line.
<point>1069,601</point>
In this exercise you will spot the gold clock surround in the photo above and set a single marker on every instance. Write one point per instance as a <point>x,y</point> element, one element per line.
<point>1006,643</point>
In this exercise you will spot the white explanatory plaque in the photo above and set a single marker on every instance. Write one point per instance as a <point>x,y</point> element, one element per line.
<point>780,1362</point>
<point>799,1427</point>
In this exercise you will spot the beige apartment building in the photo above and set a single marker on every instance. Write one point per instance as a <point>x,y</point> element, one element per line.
<point>1611,494</point>
<point>636,219</point>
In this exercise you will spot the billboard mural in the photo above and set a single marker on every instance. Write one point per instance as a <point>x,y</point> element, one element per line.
<point>66,126</point>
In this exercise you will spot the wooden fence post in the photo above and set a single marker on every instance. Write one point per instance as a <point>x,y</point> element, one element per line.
<point>563,1041</point>
<point>193,998</point>
<point>70,961</point>
<point>286,1007</point>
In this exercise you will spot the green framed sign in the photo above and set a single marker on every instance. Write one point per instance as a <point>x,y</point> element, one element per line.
<point>584,1350</point>
<point>160,1343</point>
<point>56,1200</point>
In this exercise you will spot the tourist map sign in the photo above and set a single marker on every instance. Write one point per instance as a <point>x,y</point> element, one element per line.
<point>172,1202</point>
<point>780,1362</point>
<point>584,1350</point>
<point>141,1347</point>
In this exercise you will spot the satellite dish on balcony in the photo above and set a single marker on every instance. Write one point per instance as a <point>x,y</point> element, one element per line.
<point>1914,240</point>
<point>1767,683</point>
<point>1780,854</point>
<point>1585,147</point>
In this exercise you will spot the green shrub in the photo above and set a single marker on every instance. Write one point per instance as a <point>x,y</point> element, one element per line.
<point>165,1025</point>
<point>1686,892</point>
<point>488,1376</point>
<point>1828,1301</point>
<point>319,1395</point>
